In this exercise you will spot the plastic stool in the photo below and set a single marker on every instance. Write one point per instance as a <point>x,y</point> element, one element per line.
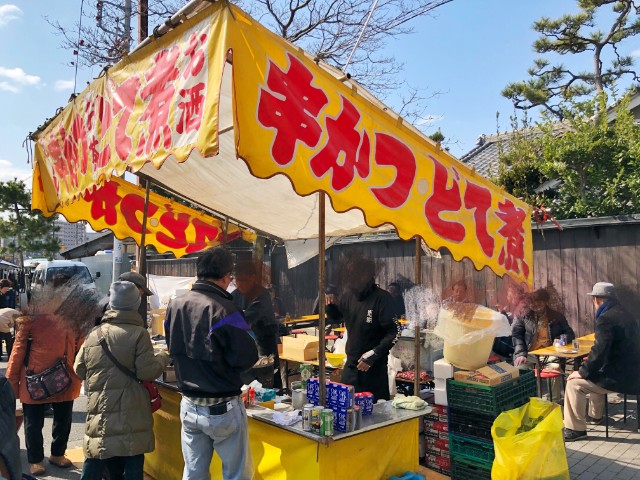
<point>548,375</point>
<point>299,331</point>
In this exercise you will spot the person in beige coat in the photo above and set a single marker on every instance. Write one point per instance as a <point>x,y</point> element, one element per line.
<point>119,428</point>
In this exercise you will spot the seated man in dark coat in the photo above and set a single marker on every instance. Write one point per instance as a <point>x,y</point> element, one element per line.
<point>613,364</point>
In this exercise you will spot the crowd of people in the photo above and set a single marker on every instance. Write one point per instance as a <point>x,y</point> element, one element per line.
<point>215,337</point>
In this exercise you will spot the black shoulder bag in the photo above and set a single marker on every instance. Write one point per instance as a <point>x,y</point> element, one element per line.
<point>149,386</point>
<point>51,382</point>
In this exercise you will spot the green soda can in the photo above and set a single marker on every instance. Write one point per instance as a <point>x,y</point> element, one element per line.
<point>326,423</point>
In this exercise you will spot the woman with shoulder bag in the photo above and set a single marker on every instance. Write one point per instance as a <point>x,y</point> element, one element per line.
<point>115,358</point>
<point>41,372</point>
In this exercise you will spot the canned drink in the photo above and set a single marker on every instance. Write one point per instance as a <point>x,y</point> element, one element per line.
<point>315,419</point>
<point>349,416</point>
<point>357,417</point>
<point>306,417</point>
<point>326,422</point>
<point>563,339</point>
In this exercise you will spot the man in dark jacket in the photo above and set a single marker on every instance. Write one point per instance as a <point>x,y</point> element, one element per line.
<point>537,328</point>
<point>258,312</point>
<point>210,344</point>
<point>613,364</point>
<point>368,313</point>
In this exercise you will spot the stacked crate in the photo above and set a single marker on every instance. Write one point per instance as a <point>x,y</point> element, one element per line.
<point>472,410</point>
<point>436,430</point>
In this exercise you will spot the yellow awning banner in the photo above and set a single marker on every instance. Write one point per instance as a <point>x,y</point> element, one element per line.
<point>118,206</point>
<point>290,117</point>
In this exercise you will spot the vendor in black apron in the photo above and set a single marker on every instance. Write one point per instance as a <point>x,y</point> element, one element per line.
<point>368,313</point>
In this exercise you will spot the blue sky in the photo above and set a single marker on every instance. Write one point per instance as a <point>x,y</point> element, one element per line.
<point>469,51</point>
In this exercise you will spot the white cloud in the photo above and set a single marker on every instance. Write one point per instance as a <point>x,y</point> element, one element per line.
<point>8,171</point>
<point>16,78</point>
<point>8,13</point>
<point>635,53</point>
<point>63,85</point>
<point>19,76</point>
<point>7,87</point>
<point>428,120</point>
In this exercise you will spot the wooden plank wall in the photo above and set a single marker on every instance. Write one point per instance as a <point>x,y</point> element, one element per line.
<point>175,267</point>
<point>571,260</point>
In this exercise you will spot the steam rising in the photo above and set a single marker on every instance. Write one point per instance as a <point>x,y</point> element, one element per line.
<point>69,302</point>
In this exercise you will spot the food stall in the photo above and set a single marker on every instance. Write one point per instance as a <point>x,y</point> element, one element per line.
<point>289,452</point>
<point>224,114</point>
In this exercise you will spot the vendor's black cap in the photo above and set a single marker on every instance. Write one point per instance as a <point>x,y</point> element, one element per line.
<point>137,279</point>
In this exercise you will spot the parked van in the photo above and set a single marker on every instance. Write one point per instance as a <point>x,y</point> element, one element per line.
<point>78,271</point>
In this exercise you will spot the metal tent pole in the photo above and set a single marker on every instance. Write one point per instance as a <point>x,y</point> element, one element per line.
<point>321,301</point>
<point>416,344</point>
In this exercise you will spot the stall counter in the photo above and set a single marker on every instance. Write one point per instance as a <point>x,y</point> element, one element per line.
<point>385,446</point>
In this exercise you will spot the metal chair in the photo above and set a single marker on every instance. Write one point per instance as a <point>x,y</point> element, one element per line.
<point>606,412</point>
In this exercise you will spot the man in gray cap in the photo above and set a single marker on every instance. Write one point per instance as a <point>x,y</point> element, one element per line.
<point>613,364</point>
<point>141,282</point>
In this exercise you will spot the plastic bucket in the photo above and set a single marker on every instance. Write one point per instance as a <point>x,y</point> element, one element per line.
<point>467,320</point>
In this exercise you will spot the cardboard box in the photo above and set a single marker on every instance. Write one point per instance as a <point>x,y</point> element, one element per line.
<point>490,375</point>
<point>301,348</point>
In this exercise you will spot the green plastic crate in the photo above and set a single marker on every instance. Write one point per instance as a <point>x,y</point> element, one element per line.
<point>474,449</point>
<point>465,469</point>
<point>491,400</point>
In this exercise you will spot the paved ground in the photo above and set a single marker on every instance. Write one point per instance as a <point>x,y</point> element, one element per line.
<point>616,457</point>
<point>596,458</point>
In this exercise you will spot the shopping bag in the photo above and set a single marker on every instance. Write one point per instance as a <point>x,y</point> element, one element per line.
<point>528,443</point>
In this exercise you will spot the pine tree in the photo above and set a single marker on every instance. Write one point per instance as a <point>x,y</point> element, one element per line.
<point>550,85</point>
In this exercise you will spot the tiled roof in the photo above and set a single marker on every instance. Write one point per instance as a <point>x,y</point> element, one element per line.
<point>484,158</point>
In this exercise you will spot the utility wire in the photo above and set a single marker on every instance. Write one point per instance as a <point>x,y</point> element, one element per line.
<point>75,79</point>
<point>366,22</point>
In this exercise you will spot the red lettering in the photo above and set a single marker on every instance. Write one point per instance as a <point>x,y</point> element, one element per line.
<point>130,206</point>
<point>346,150</point>
<point>124,99</point>
<point>77,145</point>
<point>157,94</point>
<point>191,109</point>
<point>512,254</point>
<point>104,201</point>
<point>291,106</point>
<point>98,121</point>
<point>195,52</point>
<point>176,226</point>
<point>392,152</point>
<point>479,199</point>
<point>444,199</point>
<point>206,235</point>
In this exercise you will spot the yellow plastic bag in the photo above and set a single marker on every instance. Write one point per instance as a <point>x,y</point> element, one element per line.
<point>528,443</point>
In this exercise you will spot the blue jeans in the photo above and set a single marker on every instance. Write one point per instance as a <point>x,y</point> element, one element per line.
<point>119,468</point>
<point>227,433</point>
